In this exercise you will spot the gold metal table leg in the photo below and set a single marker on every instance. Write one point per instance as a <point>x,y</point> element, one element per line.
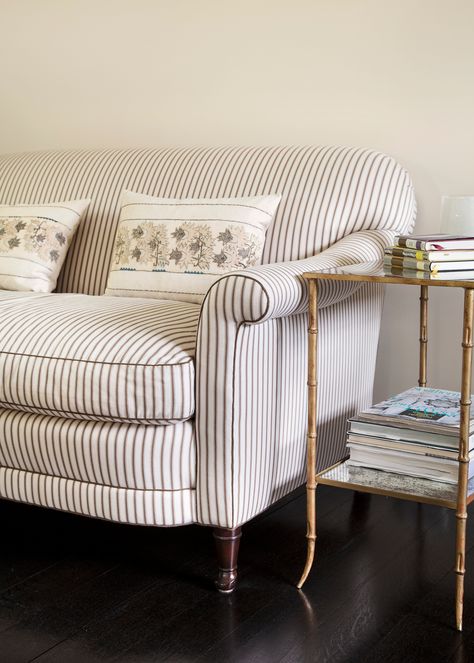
<point>311,442</point>
<point>461,509</point>
<point>423,335</point>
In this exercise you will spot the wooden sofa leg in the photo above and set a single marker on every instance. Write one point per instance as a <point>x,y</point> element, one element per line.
<point>227,546</point>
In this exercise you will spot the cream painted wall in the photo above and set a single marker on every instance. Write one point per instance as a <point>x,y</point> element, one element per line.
<point>396,76</point>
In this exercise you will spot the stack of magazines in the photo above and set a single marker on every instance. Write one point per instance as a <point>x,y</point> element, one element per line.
<point>431,256</point>
<point>415,433</point>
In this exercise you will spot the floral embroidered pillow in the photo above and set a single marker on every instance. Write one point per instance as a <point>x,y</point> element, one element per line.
<point>34,240</point>
<point>176,249</point>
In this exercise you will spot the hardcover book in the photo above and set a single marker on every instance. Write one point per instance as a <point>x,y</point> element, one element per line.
<point>435,242</point>
<point>430,256</point>
<point>427,265</point>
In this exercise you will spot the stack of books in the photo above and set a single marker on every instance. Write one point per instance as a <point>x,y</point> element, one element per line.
<point>431,256</point>
<point>415,433</point>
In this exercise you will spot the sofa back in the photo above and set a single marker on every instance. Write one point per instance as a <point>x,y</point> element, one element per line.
<point>328,192</point>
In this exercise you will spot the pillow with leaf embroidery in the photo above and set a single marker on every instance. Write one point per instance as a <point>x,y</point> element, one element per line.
<point>172,248</point>
<point>34,240</point>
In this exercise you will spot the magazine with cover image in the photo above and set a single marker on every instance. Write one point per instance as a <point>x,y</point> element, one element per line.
<point>419,407</point>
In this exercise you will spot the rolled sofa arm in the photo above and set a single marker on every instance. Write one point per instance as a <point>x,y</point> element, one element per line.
<point>241,376</point>
<point>278,290</point>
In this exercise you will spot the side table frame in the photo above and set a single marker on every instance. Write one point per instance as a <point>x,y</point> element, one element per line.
<point>461,502</point>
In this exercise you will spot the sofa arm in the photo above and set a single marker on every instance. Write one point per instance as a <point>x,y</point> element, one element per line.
<point>278,290</point>
<point>245,372</point>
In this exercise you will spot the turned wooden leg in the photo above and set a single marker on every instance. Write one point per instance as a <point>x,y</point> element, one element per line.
<point>227,546</point>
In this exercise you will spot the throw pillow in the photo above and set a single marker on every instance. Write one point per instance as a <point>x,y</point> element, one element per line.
<point>34,240</point>
<point>177,248</point>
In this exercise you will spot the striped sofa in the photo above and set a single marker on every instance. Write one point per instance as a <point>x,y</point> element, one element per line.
<point>165,413</point>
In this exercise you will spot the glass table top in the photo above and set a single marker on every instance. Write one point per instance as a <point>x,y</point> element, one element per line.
<point>374,272</point>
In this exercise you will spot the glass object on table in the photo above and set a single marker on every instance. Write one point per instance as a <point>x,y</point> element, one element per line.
<point>457,215</point>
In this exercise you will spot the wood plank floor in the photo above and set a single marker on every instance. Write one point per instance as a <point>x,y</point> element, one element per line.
<point>74,590</point>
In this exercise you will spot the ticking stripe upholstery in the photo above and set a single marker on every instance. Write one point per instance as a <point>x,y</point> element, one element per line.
<point>251,431</point>
<point>122,505</point>
<point>328,192</point>
<point>339,205</point>
<point>111,454</point>
<point>100,358</point>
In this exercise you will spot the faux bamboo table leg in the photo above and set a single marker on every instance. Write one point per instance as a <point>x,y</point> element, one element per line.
<point>423,335</point>
<point>461,509</point>
<point>311,441</point>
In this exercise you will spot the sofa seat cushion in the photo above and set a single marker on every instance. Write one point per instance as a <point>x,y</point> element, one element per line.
<point>100,452</point>
<point>98,358</point>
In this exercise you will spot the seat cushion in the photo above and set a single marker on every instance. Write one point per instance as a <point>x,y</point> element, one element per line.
<point>119,455</point>
<point>98,358</point>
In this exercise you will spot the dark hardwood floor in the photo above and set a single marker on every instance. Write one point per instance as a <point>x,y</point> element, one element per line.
<point>74,590</point>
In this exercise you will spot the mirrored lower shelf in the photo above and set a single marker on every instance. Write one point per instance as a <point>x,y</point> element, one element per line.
<point>393,485</point>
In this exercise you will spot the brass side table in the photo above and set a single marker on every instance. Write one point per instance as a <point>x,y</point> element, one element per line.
<point>456,497</point>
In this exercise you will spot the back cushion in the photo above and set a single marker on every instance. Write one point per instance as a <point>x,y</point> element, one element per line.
<point>328,192</point>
